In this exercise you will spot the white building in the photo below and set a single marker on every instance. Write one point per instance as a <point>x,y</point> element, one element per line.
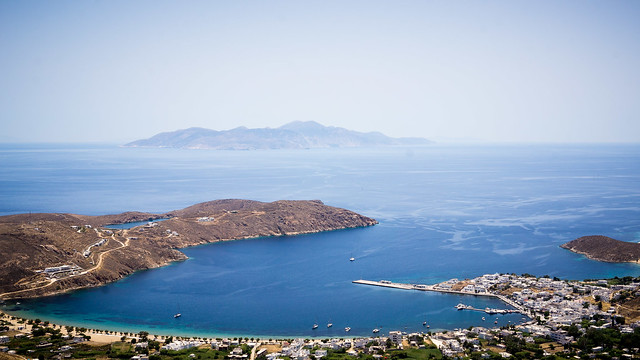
<point>395,336</point>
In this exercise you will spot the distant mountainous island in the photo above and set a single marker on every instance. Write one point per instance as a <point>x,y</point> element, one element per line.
<point>44,254</point>
<point>295,135</point>
<point>603,248</point>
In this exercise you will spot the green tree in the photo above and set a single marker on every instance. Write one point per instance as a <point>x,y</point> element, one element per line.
<point>513,344</point>
<point>573,331</point>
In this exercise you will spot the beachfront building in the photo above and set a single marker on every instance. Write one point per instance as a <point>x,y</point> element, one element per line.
<point>320,353</point>
<point>180,345</point>
<point>236,353</point>
<point>395,337</point>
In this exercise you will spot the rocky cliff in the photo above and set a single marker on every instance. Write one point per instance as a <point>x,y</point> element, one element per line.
<point>81,252</point>
<point>603,248</point>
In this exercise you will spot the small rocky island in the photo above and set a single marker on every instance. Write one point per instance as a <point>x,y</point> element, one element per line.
<point>44,254</point>
<point>603,248</point>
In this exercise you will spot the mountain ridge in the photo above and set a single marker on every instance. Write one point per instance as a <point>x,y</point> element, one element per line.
<point>293,135</point>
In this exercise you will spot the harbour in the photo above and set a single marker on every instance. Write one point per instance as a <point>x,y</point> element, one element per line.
<point>423,287</point>
<point>432,218</point>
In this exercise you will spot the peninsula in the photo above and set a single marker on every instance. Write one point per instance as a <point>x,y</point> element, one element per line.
<point>44,254</point>
<point>603,248</point>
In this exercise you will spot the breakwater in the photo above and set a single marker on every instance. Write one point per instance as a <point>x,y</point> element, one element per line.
<point>424,287</point>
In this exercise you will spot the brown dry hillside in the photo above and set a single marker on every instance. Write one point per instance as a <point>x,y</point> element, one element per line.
<point>29,243</point>
<point>603,248</point>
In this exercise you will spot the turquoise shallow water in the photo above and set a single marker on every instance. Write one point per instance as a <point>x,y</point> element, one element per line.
<point>444,212</point>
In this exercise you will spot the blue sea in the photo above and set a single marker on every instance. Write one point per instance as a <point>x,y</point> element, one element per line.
<point>445,212</point>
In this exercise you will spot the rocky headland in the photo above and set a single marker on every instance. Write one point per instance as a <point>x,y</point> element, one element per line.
<point>603,248</point>
<point>44,254</point>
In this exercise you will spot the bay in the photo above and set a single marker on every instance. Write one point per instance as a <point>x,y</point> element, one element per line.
<point>444,211</point>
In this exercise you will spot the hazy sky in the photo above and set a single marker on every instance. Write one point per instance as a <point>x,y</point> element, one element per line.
<point>116,71</point>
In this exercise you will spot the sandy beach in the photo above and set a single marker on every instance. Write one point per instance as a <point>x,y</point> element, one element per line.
<point>98,337</point>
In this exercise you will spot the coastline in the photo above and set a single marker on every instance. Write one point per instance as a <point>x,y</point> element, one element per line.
<point>104,338</point>
<point>7,295</point>
<point>212,334</point>
<point>605,249</point>
<point>596,258</point>
<point>97,338</point>
<point>518,301</point>
<point>150,246</point>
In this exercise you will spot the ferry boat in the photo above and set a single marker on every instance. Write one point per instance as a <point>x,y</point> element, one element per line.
<point>315,326</point>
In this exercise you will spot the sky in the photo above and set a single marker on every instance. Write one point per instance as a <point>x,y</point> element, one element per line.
<point>495,71</point>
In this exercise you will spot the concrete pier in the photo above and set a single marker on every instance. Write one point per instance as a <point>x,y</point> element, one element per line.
<point>424,287</point>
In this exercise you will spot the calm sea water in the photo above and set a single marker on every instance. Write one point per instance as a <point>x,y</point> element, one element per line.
<point>444,212</point>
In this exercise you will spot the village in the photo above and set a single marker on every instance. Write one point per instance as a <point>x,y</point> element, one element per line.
<point>566,320</point>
